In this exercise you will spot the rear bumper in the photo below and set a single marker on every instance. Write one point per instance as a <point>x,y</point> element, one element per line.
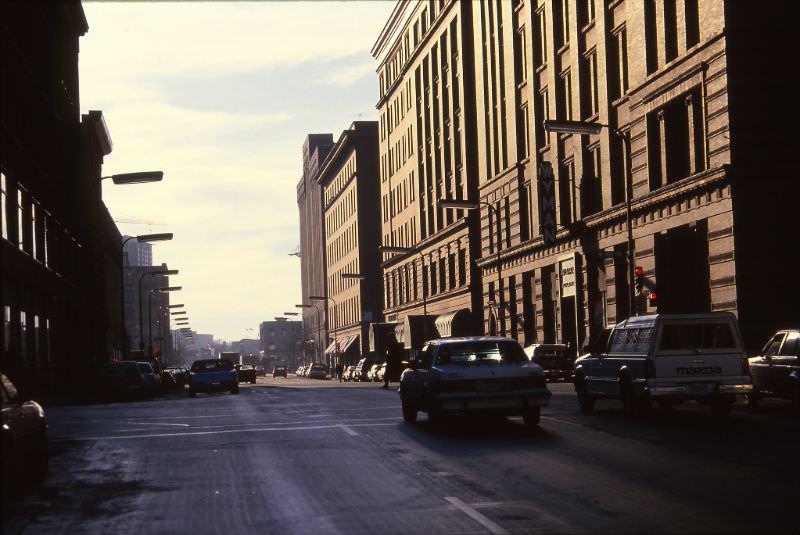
<point>213,387</point>
<point>686,390</point>
<point>509,402</point>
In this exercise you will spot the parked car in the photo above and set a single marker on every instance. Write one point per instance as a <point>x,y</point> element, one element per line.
<point>381,371</point>
<point>557,360</point>
<point>24,439</point>
<point>318,371</point>
<point>669,358</point>
<point>121,380</point>
<point>473,374</point>
<point>372,374</point>
<point>299,371</point>
<point>362,369</point>
<point>776,370</point>
<point>212,375</point>
<point>246,373</point>
<point>348,372</point>
<point>261,370</point>
<point>279,371</point>
<point>152,380</point>
<point>180,375</point>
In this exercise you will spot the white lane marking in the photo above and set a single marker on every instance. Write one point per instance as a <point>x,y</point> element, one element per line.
<point>347,430</point>
<point>129,422</point>
<point>496,529</point>
<point>219,432</point>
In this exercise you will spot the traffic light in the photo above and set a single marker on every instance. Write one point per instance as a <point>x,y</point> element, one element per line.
<point>639,279</point>
<point>652,300</point>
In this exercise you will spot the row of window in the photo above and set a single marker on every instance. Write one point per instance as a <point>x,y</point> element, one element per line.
<point>443,272</point>
<point>336,284</point>
<point>343,244</point>
<point>403,235</point>
<point>399,198</point>
<point>397,154</point>
<point>27,335</point>
<point>340,181</point>
<point>340,213</point>
<point>347,312</point>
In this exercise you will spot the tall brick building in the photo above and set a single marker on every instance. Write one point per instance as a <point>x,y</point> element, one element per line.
<point>713,181</point>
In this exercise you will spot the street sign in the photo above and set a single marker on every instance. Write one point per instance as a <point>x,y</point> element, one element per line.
<point>547,202</point>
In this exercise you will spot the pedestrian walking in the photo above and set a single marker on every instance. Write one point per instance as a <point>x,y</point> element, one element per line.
<point>339,370</point>
<point>393,356</point>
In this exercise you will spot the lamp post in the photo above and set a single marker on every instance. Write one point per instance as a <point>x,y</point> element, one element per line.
<point>329,322</point>
<point>150,309</point>
<point>165,236</point>
<point>141,323</point>
<point>459,204</point>
<point>584,128</point>
<point>319,324</point>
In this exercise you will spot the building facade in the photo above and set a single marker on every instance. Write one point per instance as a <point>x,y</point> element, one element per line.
<point>282,342</point>
<point>426,134</point>
<point>60,253</point>
<point>312,245</point>
<point>658,76</point>
<point>683,97</point>
<point>136,253</point>
<point>350,183</point>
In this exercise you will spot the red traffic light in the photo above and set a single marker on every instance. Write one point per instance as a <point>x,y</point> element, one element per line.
<point>638,271</point>
<point>653,296</point>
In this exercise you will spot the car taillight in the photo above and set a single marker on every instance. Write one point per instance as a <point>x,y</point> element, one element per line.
<point>649,368</point>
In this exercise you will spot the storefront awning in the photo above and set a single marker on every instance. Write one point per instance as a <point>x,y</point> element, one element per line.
<point>456,323</point>
<point>341,345</point>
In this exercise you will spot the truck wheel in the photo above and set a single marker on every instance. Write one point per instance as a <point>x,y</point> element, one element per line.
<point>532,416</point>
<point>409,412</point>
<point>752,398</point>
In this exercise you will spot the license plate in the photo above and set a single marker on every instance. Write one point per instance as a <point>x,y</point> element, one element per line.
<point>486,386</point>
<point>698,389</point>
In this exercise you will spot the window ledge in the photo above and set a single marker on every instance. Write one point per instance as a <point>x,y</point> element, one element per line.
<point>564,48</point>
<point>588,27</point>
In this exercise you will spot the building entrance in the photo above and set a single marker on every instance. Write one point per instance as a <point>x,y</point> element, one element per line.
<point>682,272</point>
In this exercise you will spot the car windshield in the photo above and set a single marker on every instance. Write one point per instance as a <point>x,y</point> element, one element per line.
<point>318,367</point>
<point>480,351</point>
<point>211,366</point>
<point>246,367</point>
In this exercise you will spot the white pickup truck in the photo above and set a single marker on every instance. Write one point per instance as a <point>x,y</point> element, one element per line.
<point>668,358</point>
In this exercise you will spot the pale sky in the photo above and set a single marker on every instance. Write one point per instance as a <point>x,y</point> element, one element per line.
<point>220,96</point>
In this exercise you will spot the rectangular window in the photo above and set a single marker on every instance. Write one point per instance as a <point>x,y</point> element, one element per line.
<point>650,36</point>
<point>566,196</point>
<point>540,112</point>
<point>3,209</point>
<point>564,110</point>
<point>34,230</point>
<point>692,16</point>
<point>462,267</point>
<point>522,56</point>
<point>524,147</point>
<point>23,335</point>
<point>594,94</point>
<point>20,218</point>
<point>541,41</point>
<point>451,271</point>
<point>670,30</point>
<point>6,327</point>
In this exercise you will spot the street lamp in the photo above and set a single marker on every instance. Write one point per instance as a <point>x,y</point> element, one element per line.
<point>150,311</point>
<point>583,128</point>
<point>408,250</point>
<point>164,236</point>
<point>141,323</point>
<point>136,178</point>
<point>459,204</point>
<point>329,322</point>
<point>319,325</point>
<point>291,313</point>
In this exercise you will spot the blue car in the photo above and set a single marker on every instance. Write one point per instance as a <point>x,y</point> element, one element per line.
<point>212,375</point>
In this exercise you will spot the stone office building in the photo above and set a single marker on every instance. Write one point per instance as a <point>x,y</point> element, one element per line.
<point>350,183</point>
<point>60,254</point>
<point>426,138</point>
<point>312,246</point>
<point>713,183</point>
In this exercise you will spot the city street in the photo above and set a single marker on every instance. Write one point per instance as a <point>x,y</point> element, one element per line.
<point>302,456</point>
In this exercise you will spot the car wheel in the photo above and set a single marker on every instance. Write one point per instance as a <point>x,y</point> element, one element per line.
<point>409,412</point>
<point>585,399</point>
<point>752,398</point>
<point>721,407</point>
<point>532,416</point>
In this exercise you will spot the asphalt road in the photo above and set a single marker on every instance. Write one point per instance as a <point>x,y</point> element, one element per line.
<point>302,456</point>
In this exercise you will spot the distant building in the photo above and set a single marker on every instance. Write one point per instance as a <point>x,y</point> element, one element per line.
<point>137,253</point>
<point>350,181</point>
<point>312,244</point>
<point>249,349</point>
<point>281,342</point>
